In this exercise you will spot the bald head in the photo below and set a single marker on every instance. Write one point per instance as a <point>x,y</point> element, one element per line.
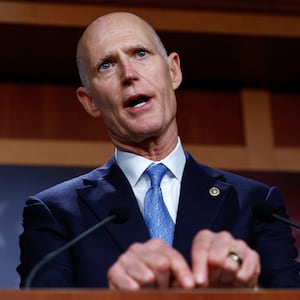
<point>115,23</point>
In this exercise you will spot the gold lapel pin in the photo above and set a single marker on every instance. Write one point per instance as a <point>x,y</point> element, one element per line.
<point>214,191</point>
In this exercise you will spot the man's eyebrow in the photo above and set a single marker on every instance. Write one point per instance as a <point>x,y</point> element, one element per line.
<point>105,57</point>
<point>140,46</point>
<point>111,55</point>
<point>136,46</point>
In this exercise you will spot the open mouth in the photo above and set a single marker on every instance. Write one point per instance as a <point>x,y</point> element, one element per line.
<point>138,102</point>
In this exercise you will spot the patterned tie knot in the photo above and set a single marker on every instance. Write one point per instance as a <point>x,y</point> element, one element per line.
<point>156,173</point>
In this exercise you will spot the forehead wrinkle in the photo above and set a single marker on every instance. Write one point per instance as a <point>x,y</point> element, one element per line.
<point>126,49</point>
<point>97,32</point>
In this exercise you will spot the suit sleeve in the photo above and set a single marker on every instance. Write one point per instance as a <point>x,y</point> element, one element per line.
<point>43,233</point>
<point>275,244</point>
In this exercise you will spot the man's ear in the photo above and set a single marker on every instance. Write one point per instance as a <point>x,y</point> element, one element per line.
<point>175,69</point>
<point>87,102</point>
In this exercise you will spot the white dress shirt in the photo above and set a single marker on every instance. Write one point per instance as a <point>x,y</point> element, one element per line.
<point>133,166</point>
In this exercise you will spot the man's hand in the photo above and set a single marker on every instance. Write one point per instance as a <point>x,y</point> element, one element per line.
<point>155,264</point>
<point>213,265</point>
<point>151,264</point>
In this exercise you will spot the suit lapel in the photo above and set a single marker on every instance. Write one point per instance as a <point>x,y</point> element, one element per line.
<point>202,197</point>
<point>105,190</point>
<point>107,187</point>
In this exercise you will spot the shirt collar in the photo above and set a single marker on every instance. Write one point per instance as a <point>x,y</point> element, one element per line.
<point>133,166</point>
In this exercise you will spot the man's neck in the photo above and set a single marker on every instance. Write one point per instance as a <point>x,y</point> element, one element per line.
<point>155,148</point>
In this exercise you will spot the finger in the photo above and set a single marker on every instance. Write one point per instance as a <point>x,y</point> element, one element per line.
<point>129,272</point>
<point>134,269</point>
<point>219,267</point>
<point>213,267</point>
<point>181,271</point>
<point>153,263</point>
<point>229,273</point>
<point>157,260</point>
<point>119,279</point>
<point>177,270</point>
<point>241,267</point>
<point>199,255</point>
<point>209,257</point>
<point>250,270</point>
<point>163,279</point>
<point>148,264</point>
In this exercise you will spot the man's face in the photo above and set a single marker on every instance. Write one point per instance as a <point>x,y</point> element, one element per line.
<point>131,83</point>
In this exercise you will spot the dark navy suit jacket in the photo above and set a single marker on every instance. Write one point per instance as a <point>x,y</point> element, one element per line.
<point>54,216</point>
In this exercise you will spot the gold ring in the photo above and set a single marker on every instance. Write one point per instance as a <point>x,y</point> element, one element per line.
<point>233,255</point>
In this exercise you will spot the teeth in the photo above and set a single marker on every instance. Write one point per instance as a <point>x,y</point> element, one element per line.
<point>140,104</point>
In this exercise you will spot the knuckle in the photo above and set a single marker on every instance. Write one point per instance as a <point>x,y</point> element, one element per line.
<point>162,263</point>
<point>224,235</point>
<point>240,244</point>
<point>157,243</point>
<point>202,235</point>
<point>111,271</point>
<point>135,248</point>
<point>256,259</point>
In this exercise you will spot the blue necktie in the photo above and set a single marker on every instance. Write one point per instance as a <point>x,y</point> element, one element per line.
<point>156,215</point>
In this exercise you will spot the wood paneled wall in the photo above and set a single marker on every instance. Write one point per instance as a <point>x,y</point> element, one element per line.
<point>244,124</point>
<point>250,129</point>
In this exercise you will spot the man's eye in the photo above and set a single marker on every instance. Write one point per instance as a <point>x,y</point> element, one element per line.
<point>141,53</point>
<point>105,66</point>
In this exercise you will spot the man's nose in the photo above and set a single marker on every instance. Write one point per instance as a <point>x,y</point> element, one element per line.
<point>128,72</point>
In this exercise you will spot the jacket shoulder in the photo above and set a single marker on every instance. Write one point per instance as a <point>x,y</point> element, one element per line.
<point>68,189</point>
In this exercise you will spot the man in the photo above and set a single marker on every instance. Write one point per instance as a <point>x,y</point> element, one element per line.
<point>129,80</point>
